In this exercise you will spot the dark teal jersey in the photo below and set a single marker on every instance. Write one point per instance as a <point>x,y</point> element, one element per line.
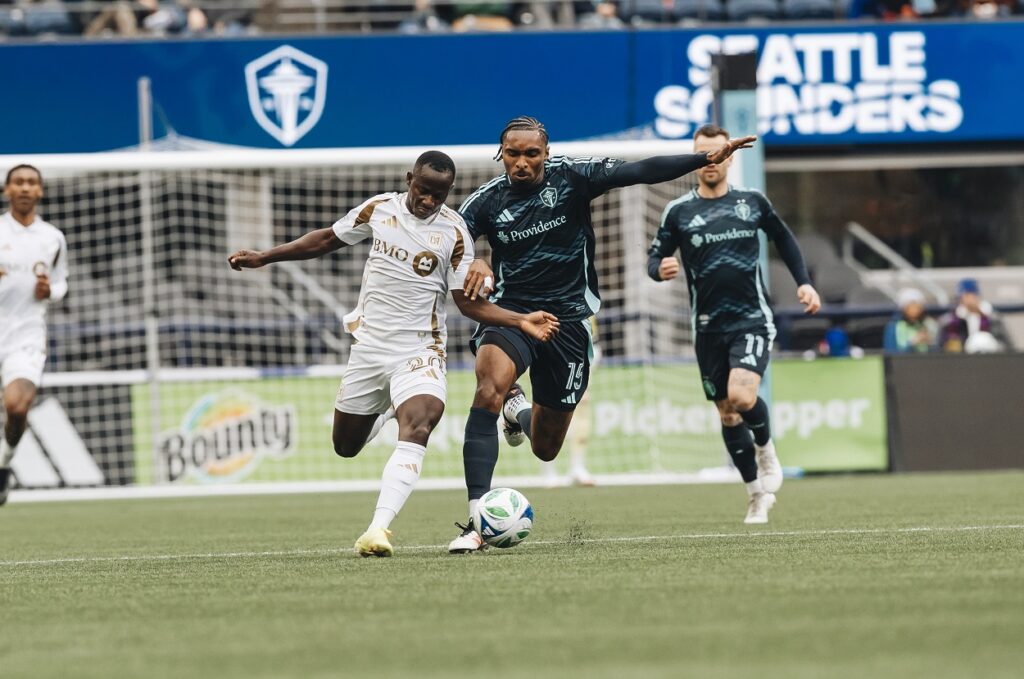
<point>542,238</point>
<point>717,239</point>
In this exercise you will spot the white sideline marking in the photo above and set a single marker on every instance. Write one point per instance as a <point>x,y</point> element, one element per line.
<point>536,543</point>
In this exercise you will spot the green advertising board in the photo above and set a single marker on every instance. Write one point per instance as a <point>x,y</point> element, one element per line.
<point>828,415</point>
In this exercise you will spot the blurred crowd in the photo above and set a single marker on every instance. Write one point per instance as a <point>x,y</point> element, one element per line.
<point>971,326</point>
<point>106,18</point>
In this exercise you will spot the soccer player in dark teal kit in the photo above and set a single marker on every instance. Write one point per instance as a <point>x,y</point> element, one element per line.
<point>714,227</point>
<point>536,217</point>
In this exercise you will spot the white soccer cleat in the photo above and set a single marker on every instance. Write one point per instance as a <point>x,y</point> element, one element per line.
<point>581,477</point>
<point>515,402</point>
<point>769,471</point>
<point>375,542</point>
<point>758,506</point>
<point>468,541</point>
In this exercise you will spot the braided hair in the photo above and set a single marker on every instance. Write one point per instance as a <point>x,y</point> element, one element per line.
<point>521,123</point>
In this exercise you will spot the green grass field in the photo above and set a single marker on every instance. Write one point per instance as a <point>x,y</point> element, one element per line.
<point>868,576</point>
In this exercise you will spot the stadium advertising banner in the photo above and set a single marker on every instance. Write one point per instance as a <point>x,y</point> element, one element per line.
<point>820,85</point>
<point>828,415</point>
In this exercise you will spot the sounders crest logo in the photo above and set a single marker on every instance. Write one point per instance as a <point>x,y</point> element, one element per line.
<point>549,196</point>
<point>224,436</point>
<point>825,83</point>
<point>287,92</point>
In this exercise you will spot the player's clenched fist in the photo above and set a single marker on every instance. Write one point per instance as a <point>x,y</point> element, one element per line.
<point>42,286</point>
<point>246,259</point>
<point>540,325</point>
<point>668,269</point>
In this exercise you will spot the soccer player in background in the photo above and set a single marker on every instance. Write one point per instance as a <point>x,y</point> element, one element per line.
<point>536,217</point>
<point>421,250</point>
<point>33,272</point>
<point>714,227</point>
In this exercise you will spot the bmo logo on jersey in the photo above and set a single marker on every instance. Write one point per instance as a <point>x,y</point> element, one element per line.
<point>821,84</point>
<point>287,91</point>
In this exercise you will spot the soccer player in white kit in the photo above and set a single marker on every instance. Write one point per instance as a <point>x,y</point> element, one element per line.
<point>33,271</point>
<point>420,251</point>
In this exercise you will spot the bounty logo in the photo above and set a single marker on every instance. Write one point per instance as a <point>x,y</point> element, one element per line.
<point>287,92</point>
<point>549,196</point>
<point>824,83</point>
<point>225,436</point>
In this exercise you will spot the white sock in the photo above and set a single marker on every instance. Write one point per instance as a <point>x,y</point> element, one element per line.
<point>754,487</point>
<point>472,507</point>
<point>6,452</point>
<point>378,424</point>
<point>401,473</point>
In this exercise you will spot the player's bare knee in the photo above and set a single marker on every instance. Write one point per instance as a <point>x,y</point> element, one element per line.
<point>488,396</point>
<point>416,432</point>
<point>17,409</point>
<point>731,418</point>
<point>545,453</point>
<point>742,401</point>
<point>345,448</point>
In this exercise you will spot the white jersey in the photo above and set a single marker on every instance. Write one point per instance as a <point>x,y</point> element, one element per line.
<point>26,251</point>
<point>412,265</point>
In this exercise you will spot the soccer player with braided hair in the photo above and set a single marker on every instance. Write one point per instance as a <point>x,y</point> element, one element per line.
<point>536,218</point>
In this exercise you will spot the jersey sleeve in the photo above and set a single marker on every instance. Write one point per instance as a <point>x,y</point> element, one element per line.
<point>59,270</point>
<point>462,257</point>
<point>597,173</point>
<point>664,245</point>
<point>355,226</point>
<point>474,212</point>
<point>785,241</point>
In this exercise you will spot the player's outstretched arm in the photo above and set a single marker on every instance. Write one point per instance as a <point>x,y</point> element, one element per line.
<point>659,169</point>
<point>313,244</point>
<point>722,153</point>
<point>540,324</point>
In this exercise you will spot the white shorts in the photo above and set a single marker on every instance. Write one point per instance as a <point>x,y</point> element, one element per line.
<point>23,363</point>
<point>376,378</point>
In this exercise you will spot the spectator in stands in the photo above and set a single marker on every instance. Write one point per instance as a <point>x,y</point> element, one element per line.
<point>482,16</point>
<point>423,19</point>
<point>986,9</point>
<point>163,18</point>
<point>912,331</point>
<point>599,15</point>
<point>891,10</point>
<point>973,326</point>
<point>117,19</point>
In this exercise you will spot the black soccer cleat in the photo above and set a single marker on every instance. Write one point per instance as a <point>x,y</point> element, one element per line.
<point>6,476</point>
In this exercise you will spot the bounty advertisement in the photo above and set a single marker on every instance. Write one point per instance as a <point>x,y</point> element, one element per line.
<point>827,416</point>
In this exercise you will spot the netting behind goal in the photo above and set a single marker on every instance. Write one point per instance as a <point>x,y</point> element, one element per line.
<point>172,367</point>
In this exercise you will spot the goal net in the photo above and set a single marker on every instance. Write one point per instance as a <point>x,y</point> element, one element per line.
<point>165,366</point>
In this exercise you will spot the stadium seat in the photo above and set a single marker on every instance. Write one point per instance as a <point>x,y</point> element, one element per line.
<point>704,10</point>
<point>809,9</point>
<point>746,10</point>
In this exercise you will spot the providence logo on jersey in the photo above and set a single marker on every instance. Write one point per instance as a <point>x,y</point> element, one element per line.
<point>223,437</point>
<point>826,83</point>
<point>287,91</point>
<point>535,230</point>
<point>731,234</point>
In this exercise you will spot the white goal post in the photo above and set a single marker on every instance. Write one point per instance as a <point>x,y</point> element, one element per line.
<point>171,368</point>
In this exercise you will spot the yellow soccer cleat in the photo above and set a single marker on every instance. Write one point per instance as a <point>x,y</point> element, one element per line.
<point>375,542</point>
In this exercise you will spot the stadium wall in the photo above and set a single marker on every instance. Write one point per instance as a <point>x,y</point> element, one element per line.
<point>954,412</point>
<point>820,85</point>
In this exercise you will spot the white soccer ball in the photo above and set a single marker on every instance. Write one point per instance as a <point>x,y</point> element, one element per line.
<point>504,517</point>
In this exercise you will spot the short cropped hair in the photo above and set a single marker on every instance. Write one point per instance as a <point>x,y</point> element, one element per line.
<point>23,166</point>
<point>436,161</point>
<point>710,131</point>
